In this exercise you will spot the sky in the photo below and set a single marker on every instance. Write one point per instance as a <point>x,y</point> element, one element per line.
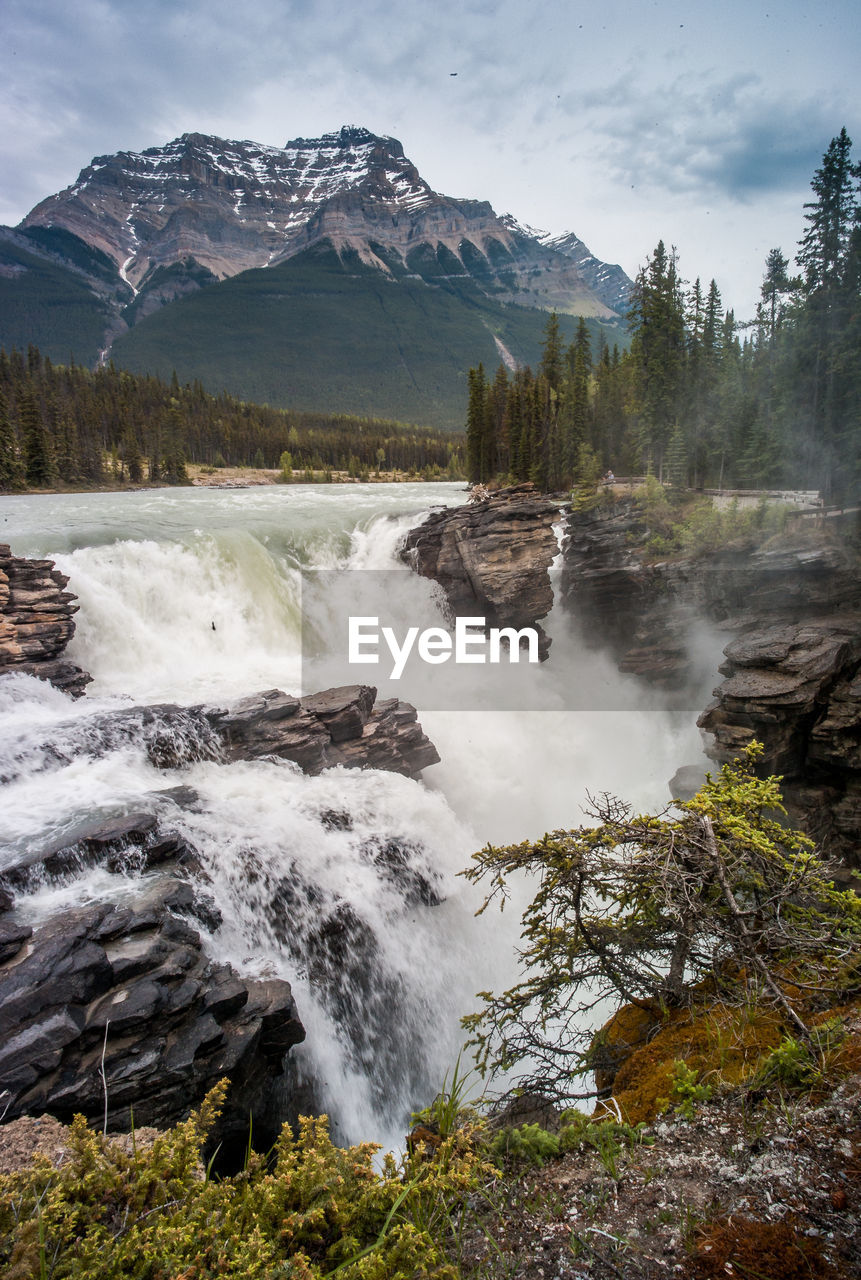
<point>700,123</point>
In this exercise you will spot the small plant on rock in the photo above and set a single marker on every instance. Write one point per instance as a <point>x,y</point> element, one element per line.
<point>699,903</point>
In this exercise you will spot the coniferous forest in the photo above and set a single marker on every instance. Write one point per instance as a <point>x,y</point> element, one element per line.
<point>65,425</point>
<point>699,399</point>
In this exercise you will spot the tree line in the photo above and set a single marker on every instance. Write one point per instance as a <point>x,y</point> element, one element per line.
<point>698,398</point>
<point>68,425</point>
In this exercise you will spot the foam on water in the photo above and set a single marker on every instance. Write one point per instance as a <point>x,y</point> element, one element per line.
<point>341,906</point>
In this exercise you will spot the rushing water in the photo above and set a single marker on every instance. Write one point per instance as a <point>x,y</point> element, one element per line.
<point>195,596</point>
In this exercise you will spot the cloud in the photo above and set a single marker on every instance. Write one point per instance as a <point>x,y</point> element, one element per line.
<point>735,138</point>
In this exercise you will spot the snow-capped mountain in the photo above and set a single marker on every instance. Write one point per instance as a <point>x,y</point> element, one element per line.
<point>325,274</point>
<point>228,206</point>
<point>611,284</point>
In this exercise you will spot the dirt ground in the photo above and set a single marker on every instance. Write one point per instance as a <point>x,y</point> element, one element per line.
<point>785,1176</point>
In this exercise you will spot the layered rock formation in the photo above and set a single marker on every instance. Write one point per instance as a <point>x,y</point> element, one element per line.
<point>343,726</point>
<point>792,671</point>
<point>36,621</point>
<point>492,557</point>
<point>645,610</point>
<point>796,688</point>
<point>110,1008</point>
<point>203,208</point>
<point>338,726</point>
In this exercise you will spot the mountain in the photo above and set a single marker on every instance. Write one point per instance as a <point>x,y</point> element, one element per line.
<point>325,274</point>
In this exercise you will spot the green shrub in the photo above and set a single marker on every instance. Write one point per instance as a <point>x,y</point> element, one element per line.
<point>309,1209</point>
<point>607,1137</point>
<point>686,1092</point>
<point>526,1144</point>
<point>797,1065</point>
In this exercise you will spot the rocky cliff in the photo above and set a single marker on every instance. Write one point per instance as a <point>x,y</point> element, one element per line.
<point>36,621</point>
<point>492,557</point>
<point>793,606</point>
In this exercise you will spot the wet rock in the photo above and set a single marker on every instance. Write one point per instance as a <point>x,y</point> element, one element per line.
<point>797,689</point>
<point>492,557</point>
<point>127,842</point>
<point>336,820</point>
<point>12,938</point>
<point>791,667</point>
<point>338,726</point>
<point>645,611</point>
<point>36,621</point>
<point>132,988</point>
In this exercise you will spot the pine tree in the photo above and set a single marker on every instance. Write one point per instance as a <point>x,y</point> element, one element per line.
<point>38,460</point>
<point>575,410</point>
<point>656,320</point>
<point>775,286</point>
<point>11,473</point>
<point>476,425</point>
<point>831,299</point>
<point>551,365</point>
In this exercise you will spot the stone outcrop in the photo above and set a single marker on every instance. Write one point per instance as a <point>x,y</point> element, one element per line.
<point>121,1003</point>
<point>793,607</point>
<point>645,610</point>
<point>342,726</point>
<point>492,557</point>
<point>619,600</point>
<point>36,621</point>
<point>796,688</point>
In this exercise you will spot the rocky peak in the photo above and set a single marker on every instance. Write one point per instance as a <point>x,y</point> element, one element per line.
<point>228,206</point>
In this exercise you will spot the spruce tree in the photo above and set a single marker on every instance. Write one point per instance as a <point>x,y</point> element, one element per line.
<point>38,460</point>
<point>476,415</point>
<point>11,472</point>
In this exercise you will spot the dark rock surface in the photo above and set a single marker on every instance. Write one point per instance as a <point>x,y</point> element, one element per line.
<point>128,992</point>
<point>127,842</point>
<point>343,726</point>
<point>492,557</point>
<point>645,610</point>
<point>792,681</point>
<point>338,726</point>
<point>796,688</point>
<point>36,621</point>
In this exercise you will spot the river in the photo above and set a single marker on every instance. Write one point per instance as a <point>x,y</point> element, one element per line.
<point>195,595</point>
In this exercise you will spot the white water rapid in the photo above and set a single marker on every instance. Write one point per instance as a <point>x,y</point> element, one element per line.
<point>194,596</point>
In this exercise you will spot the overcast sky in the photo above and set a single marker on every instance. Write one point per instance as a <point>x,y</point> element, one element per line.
<point>700,122</point>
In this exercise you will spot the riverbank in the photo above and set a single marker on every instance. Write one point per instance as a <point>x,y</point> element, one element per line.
<point>201,476</point>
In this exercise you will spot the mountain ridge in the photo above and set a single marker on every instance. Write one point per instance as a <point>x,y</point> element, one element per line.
<point>144,234</point>
<point>231,206</point>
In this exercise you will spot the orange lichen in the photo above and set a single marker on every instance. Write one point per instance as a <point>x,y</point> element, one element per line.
<point>723,1044</point>
<point>629,1029</point>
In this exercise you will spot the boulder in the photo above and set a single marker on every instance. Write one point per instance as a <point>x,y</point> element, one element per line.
<point>796,688</point>
<point>343,726</point>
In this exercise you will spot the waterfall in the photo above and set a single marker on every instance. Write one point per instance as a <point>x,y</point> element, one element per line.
<point>345,884</point>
